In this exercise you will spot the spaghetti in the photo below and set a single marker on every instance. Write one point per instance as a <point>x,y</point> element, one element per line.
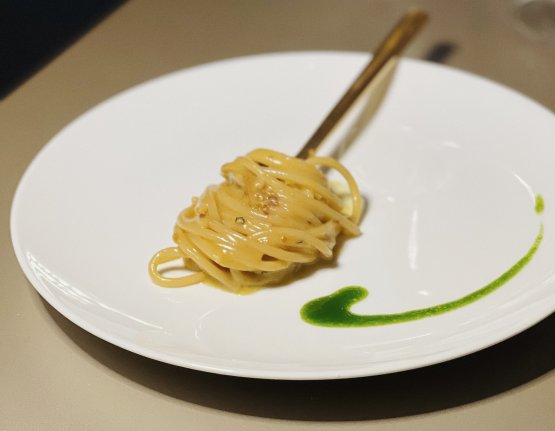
<point>272,214</point>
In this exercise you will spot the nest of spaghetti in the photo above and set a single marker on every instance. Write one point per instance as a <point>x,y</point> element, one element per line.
<point>271,215</point>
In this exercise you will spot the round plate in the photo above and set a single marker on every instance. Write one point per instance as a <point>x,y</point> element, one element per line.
<point>449,166</point>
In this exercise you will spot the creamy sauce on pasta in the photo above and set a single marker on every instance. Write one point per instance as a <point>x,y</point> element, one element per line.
<point>271,215</point>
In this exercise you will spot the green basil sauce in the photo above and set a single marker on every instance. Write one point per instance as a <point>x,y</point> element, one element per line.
<point>539,204</point>
<point>334,310</point>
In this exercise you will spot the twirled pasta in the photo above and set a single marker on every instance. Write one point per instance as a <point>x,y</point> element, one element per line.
<point>272,214</point>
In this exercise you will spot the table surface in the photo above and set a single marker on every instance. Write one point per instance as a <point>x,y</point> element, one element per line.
<point>54,375</point>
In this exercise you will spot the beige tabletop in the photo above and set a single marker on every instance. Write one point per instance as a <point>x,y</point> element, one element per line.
<point>56,376</point>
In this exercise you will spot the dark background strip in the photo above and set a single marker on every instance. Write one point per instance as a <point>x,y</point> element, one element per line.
<point>33,32</point>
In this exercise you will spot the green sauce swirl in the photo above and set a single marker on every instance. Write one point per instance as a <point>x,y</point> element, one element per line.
<point>539,204</point>
<point>334,310</point>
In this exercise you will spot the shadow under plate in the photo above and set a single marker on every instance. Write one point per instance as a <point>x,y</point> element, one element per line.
<point>468,379</point>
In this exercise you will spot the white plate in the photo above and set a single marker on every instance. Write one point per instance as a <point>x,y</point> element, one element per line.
<point>450,166</point>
